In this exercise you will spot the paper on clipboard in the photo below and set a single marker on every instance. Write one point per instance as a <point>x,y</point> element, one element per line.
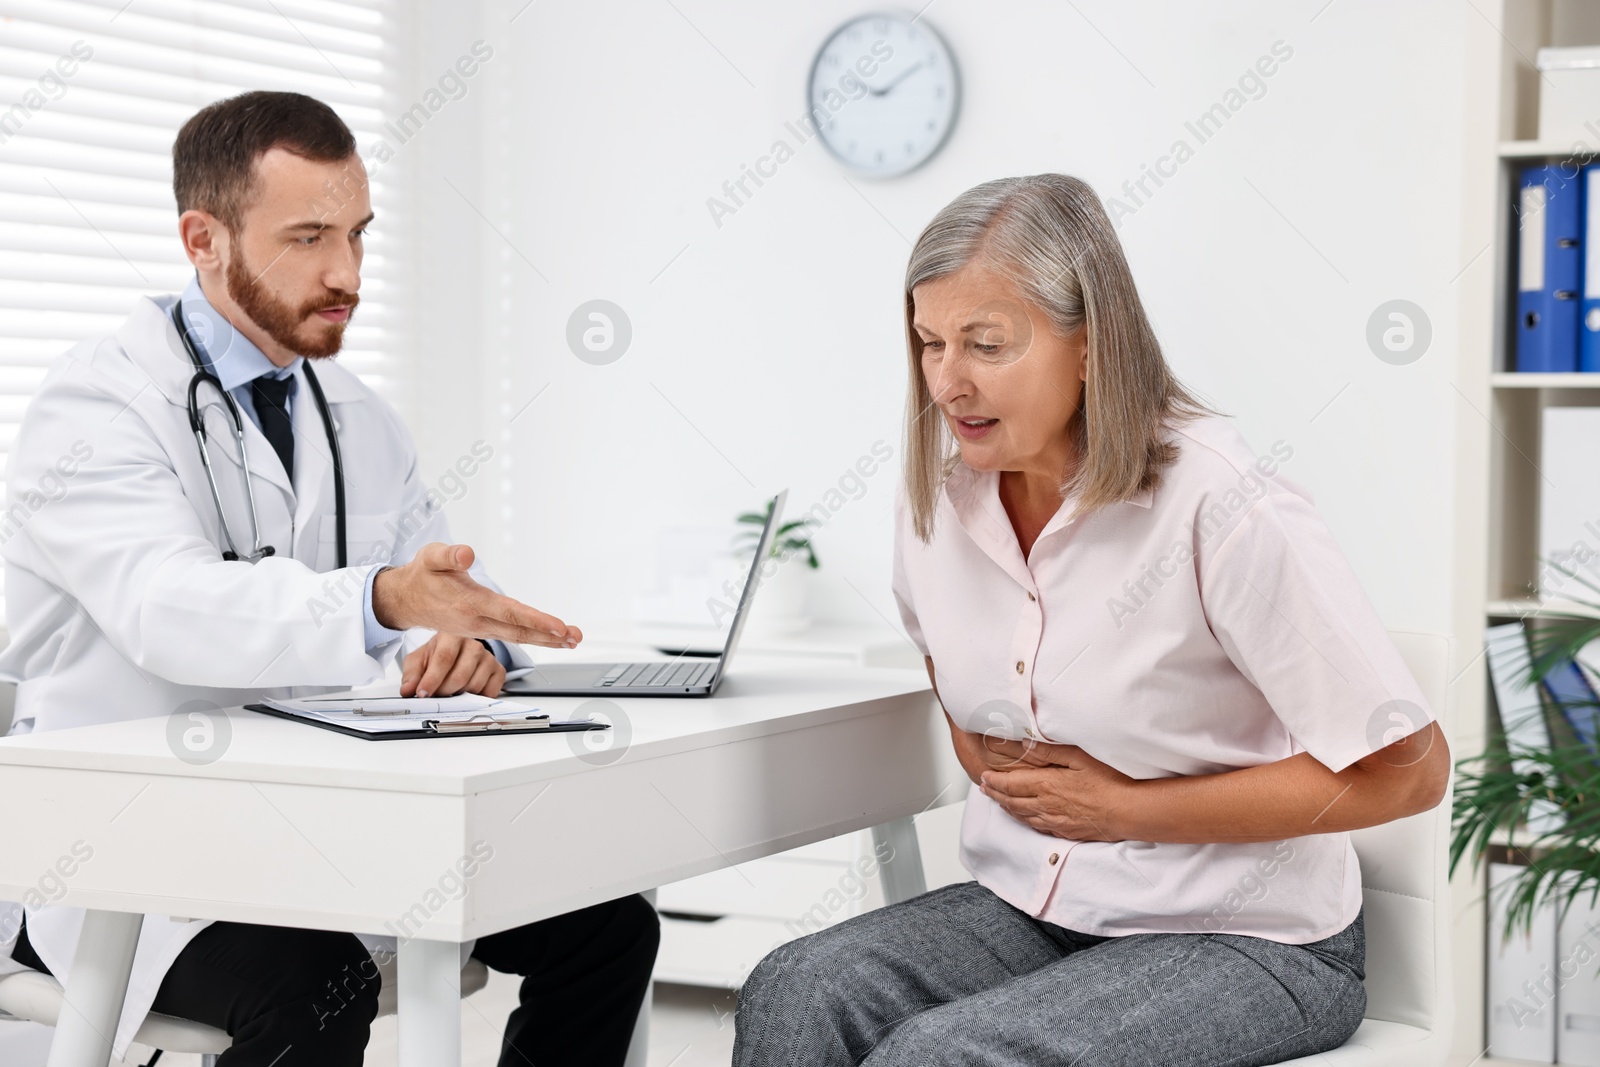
<point>381,715</point>
<point>386,704</point>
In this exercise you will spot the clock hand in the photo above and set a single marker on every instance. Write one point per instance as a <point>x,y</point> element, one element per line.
<point>904,75</point>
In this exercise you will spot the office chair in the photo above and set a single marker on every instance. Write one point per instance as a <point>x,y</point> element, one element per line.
<point>1410,1010</point>
<point>37,997</point>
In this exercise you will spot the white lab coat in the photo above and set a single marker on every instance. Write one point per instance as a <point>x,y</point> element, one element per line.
<point>117,597</point>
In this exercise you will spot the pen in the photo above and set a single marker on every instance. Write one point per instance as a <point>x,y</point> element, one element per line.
<point>381,711</point>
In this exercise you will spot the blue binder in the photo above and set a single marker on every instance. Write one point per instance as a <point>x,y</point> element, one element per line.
<point>1589,322</point>
<point>1575,698</point>
<point>1549,270</point>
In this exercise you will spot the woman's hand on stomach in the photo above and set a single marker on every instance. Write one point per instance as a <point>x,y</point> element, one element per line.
<point>1059,790</point>
<point>1056,789</point>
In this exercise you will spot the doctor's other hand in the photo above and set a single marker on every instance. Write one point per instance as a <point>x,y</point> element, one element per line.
<point>449,664</point>
<point>435,591</point>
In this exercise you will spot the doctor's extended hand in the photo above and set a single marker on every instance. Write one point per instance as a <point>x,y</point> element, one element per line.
<point>1059,790</point>
<point>435,591</point>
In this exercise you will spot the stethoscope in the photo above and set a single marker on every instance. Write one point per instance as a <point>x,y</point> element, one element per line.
<point>203,376</point>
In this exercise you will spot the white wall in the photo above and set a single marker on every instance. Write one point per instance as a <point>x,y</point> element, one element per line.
<point>768,352</point>
<point>447,335</point>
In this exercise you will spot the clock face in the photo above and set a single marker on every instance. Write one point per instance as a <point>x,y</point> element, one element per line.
<point>883,93</point>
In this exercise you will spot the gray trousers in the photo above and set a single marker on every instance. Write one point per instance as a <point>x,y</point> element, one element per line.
<point>958,976</point>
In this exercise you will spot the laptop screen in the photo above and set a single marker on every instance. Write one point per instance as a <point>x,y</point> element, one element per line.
<point>755,578</point>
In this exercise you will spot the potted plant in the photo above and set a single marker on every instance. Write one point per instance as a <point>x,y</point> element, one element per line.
<point>1499,789</point>
<point>782,606</point>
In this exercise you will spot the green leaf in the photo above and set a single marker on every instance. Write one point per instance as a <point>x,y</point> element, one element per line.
<point>1491,794</point>
<point>1559,639</point>
<point>790,537</point>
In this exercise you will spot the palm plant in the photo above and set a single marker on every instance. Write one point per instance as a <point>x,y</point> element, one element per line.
<point>790,537</point>
<point>1502,787</point>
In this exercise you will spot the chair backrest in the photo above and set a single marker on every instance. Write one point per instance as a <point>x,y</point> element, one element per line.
<point>8,690</point>
<point>1404,884</point>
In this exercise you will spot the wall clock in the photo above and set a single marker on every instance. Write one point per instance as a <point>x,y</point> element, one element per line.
<point>884,93</point>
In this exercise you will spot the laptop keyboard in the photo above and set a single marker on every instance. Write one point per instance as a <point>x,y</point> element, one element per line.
<point>674,674</point>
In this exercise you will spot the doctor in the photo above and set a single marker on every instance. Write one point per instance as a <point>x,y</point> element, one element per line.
<point>147,588</point>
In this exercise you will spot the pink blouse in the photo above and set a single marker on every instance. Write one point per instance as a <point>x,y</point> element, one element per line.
<point>1206,626</point>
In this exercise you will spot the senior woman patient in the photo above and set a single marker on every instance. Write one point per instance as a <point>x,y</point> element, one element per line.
<point>1171,693</point>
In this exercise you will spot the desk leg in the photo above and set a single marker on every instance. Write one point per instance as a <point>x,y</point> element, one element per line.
<point>901,874</point>
<point>428,991</point>
<point>95,990</point>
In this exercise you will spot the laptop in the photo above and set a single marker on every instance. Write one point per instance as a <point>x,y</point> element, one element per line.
<point>684,676</point>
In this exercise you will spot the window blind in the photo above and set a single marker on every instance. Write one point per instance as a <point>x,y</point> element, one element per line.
<point>92,93</point>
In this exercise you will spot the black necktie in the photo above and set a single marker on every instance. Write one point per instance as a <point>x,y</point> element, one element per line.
<point>271,397</point>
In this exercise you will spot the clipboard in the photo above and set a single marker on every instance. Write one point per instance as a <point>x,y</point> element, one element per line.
<point>477,726</point>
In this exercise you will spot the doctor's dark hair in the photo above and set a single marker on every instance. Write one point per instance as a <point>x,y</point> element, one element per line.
<point>213,159</point>
<point>1049,235</point>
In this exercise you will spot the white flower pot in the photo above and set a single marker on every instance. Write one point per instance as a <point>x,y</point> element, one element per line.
<point>782,604</point>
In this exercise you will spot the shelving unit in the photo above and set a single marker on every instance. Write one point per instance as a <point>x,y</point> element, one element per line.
<point>1500,610</point>
<point>1517,401</point>
<point>1504,380</point>
<point>1530,150</point>
<point>1499,484</point>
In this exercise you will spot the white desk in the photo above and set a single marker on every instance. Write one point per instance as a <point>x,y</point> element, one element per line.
<point>297,826</point>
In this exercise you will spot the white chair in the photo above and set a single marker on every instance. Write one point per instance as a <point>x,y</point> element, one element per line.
<point>36,997</point>
<point>1406,892</point>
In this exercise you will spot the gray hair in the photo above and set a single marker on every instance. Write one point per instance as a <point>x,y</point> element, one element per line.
<point>1050,236</point>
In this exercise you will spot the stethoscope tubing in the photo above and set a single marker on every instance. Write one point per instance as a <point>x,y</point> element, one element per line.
<point>203,376</point>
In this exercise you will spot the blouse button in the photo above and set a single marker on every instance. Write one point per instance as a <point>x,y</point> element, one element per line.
<point>1029,731</point>
<point>1019,666</point>
<point>1054,857</point>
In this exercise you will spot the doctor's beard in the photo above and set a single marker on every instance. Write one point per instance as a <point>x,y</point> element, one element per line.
<point>283,322</point>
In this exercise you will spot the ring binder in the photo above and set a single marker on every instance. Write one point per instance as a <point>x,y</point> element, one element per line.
<point>1549,270</point>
